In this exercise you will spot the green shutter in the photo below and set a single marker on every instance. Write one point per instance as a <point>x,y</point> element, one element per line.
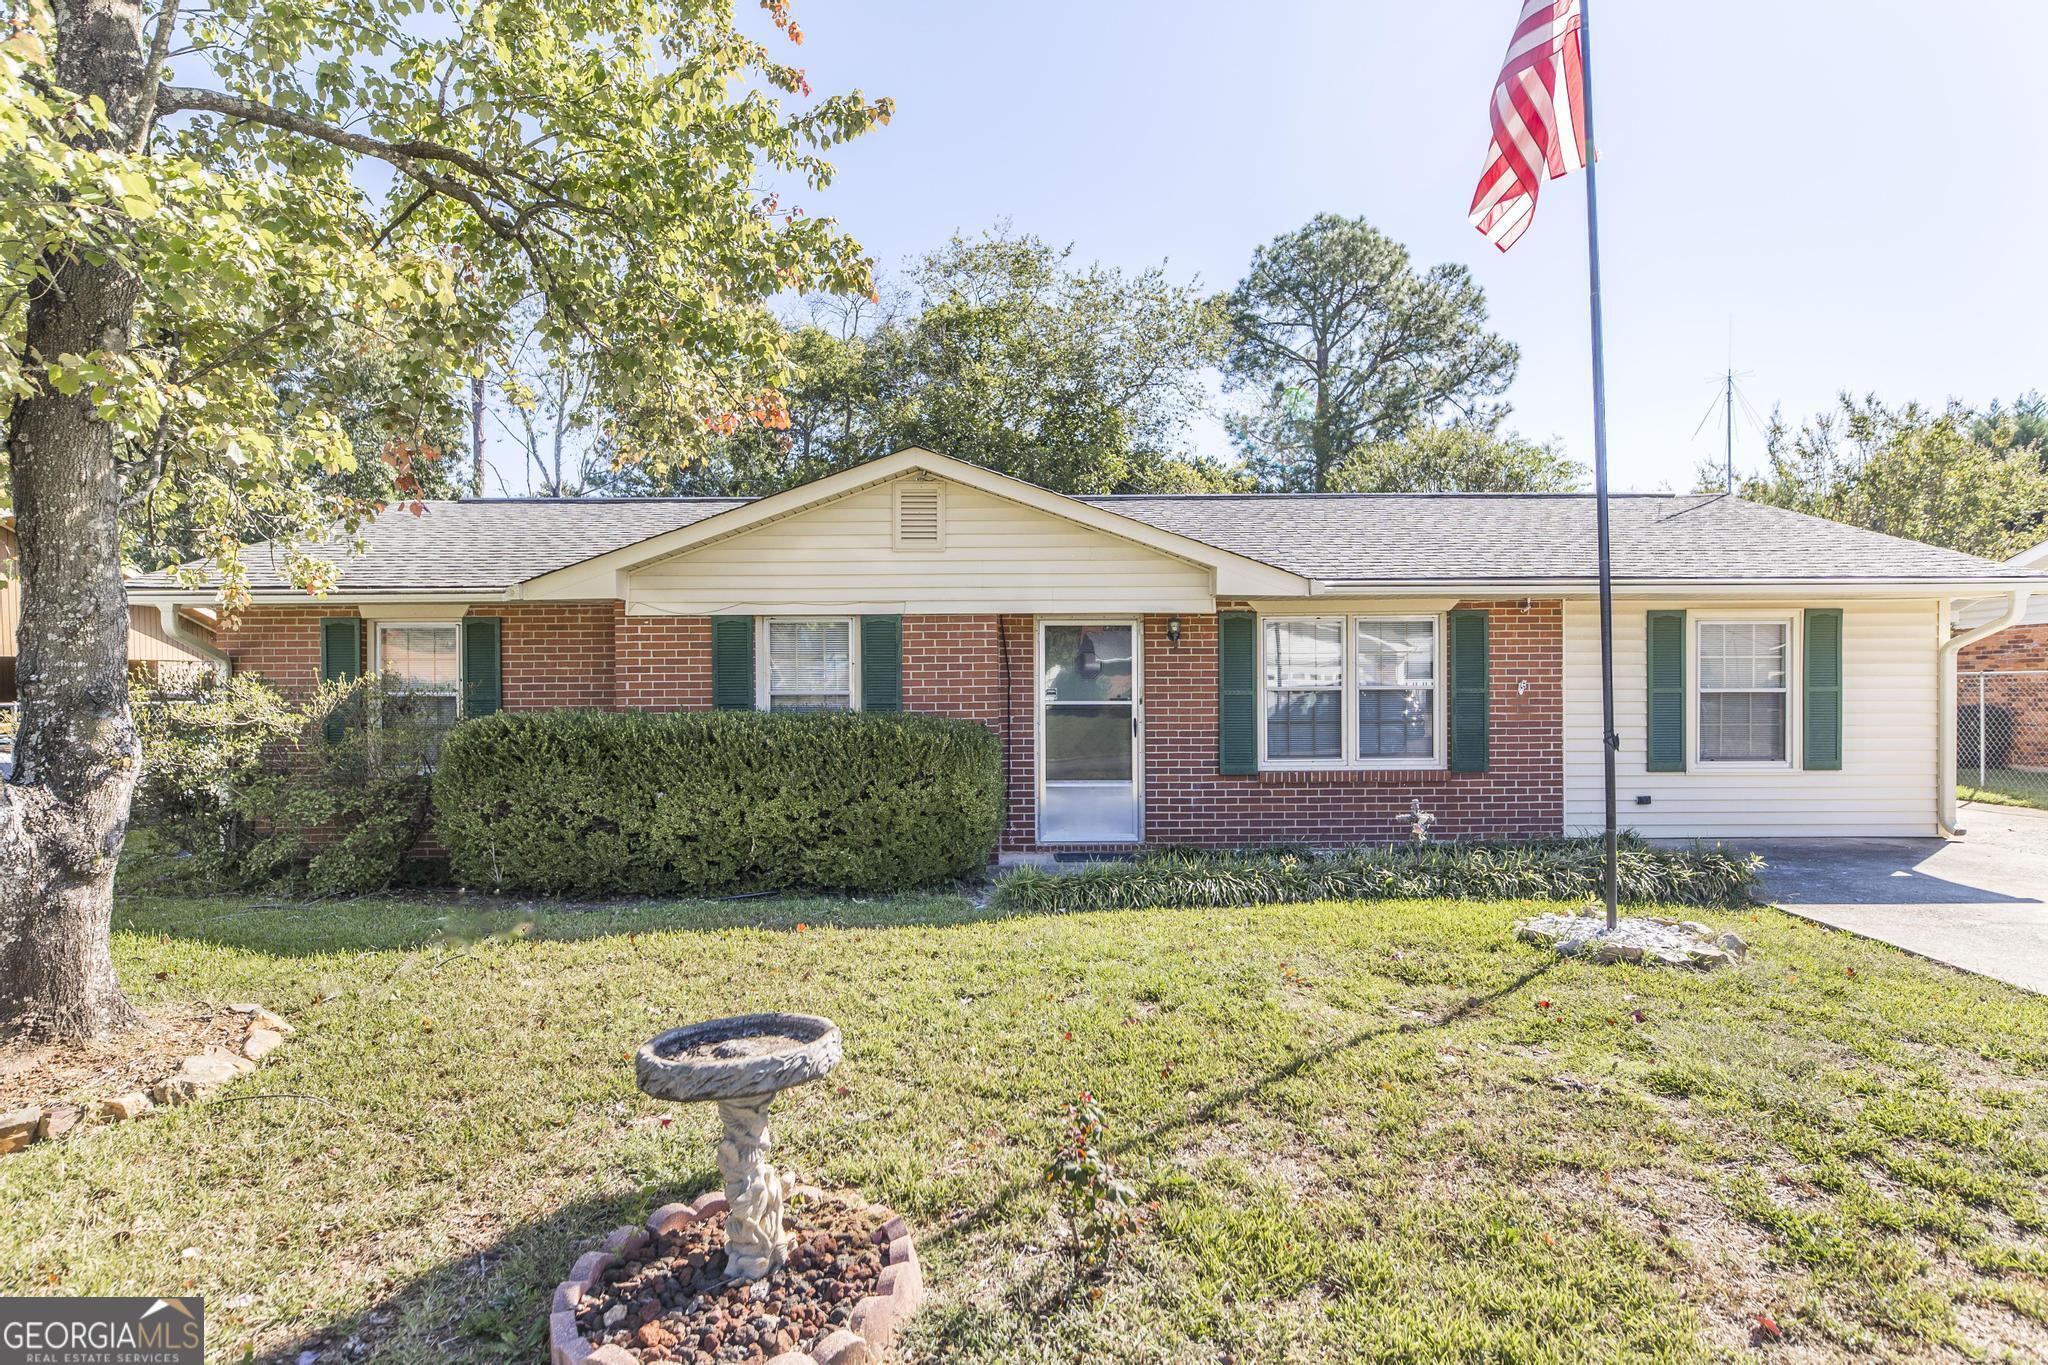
<point>732,663</point>
<point>881,663</point>
<point>483,682</point>
<point>1237,692</point>
<point>341,660</point>
<point>1664,747</point>
<point>1468,700</point>
<point>1822,705</point>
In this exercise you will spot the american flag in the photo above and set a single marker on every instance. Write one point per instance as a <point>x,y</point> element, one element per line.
<point>1536,135</point>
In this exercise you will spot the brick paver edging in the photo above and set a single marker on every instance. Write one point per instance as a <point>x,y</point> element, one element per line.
<point>870,1330</point>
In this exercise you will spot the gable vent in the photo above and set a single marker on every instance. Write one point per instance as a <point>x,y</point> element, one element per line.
<point>920,516</point>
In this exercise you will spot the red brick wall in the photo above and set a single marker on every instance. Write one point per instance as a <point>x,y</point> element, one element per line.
<point>661,663</point>
<point>2017,661</point>
<point>2015,648</point>
<point>1521,794</point>
<point>554,653</point>
<point>981,668</point>
<point>282,643</point>
<point>955,665</point>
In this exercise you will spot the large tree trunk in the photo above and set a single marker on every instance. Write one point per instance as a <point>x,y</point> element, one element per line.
<point>65,810</point>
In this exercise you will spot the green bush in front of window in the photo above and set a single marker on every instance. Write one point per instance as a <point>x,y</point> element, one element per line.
<point>592,803</point>
<point>253,788</point>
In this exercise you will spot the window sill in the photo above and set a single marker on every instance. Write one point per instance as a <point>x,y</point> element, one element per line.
<point>1366,777</point>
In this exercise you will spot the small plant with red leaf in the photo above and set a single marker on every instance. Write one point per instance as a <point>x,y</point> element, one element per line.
<point>1099,1207</point>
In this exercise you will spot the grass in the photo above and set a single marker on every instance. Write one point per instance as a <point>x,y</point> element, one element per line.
<point>2004,787</point>
<point>1366,1132</point>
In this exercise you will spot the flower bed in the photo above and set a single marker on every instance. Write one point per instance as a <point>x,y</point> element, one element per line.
<point>659,1293</point>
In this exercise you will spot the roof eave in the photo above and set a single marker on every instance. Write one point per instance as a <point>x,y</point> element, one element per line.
<point>1576,585</point>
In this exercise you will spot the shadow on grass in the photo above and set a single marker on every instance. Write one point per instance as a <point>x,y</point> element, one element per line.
<point>283,927</point>
<point>1045,1290</point>
<point>491,1303</point>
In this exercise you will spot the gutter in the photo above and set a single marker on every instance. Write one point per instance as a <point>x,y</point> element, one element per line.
<point>1945,670</point>
<point>1677,587</point>
<point>176,629</point>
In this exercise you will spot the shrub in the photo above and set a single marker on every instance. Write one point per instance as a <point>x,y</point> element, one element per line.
<point>1098,1205</point>
<point>1561,869</point>
<point>257,789</point>
<point>600,804</point>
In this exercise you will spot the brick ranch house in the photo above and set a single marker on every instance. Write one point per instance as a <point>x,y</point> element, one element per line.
<point>1201,669</point>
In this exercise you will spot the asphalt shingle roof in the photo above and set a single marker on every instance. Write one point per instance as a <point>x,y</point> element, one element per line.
<point>487,544</point>
<point>482,543</point>
<point>1464,537</point>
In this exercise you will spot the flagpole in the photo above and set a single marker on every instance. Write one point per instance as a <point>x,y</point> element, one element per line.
<point>1609,740</point>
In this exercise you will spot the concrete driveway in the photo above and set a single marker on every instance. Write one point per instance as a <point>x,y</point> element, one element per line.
<point>1979,902</point>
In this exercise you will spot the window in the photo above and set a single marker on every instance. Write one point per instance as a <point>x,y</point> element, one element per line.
<point>1396,688</point>
<point>1386,666</point>
<point>1745,696</point>
<point>422,670</point>
<point>808,665</point>
<point>1304,689</point>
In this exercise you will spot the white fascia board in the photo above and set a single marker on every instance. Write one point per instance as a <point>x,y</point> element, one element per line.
<point>603,575</point>
<point>210,598</point>
<point>1679,587</point>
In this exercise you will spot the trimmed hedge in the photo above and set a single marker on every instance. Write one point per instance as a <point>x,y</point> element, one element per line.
<point>593,803</point>
<point>1542,869</point>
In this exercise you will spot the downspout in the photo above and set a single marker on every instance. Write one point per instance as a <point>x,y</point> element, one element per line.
<point>175,628</point>
<point>1945,670</point>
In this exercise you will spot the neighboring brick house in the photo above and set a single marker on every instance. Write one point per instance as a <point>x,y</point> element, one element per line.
<point>1198,669</point>
<point>2007,673</point>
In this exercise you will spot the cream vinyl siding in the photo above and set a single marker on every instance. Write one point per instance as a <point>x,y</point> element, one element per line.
<point>1886,783</point>
<point>997,556</point>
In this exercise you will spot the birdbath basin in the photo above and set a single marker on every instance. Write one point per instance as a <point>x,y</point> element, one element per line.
<point>741,1064</point>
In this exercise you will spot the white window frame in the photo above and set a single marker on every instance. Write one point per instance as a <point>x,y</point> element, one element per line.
<point>1696,689</point>
<point>765,702</point>
<point>377,629</point>
<point>1348,757</point>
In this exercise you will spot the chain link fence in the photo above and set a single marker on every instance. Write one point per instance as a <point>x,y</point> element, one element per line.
<point>2002,737</point>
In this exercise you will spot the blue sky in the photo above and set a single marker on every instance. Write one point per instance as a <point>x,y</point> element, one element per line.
<point>1858,186</point>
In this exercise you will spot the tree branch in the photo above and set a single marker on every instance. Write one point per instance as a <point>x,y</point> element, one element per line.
<point>159,53</point>
<point>404,157</point>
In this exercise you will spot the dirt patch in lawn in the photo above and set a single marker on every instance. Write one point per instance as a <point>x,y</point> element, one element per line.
<point>1727,1274</point>
<point>46,1074</point>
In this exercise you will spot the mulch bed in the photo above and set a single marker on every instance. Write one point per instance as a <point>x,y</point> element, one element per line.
<point>673,1302</point>
<point>49,1074</point>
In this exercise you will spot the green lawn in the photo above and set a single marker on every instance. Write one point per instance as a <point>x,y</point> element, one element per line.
<point>1366,1134</point>
<point>2004,787</point>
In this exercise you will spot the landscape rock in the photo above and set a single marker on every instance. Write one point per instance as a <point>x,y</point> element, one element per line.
<point>199,1076</point>
<point>18,1128</point>
<point>843,1348</point>
<point>58,1120</point>
<point>260,1017</point>
<point>1639,939</point>
<point>121,1108</point>
<point>260,1042</point>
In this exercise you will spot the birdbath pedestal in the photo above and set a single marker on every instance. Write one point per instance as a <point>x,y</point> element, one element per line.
<point>741,1065</point>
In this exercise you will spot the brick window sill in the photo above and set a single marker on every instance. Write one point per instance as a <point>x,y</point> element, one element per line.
<point>1356,777</point>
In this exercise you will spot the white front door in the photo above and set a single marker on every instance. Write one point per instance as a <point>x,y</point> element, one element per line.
<point>1090,745</point>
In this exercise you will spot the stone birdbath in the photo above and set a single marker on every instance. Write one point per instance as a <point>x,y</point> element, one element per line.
<point>741,1064</point>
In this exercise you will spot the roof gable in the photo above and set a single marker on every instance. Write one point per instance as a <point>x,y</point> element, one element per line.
<point>604,575</point>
